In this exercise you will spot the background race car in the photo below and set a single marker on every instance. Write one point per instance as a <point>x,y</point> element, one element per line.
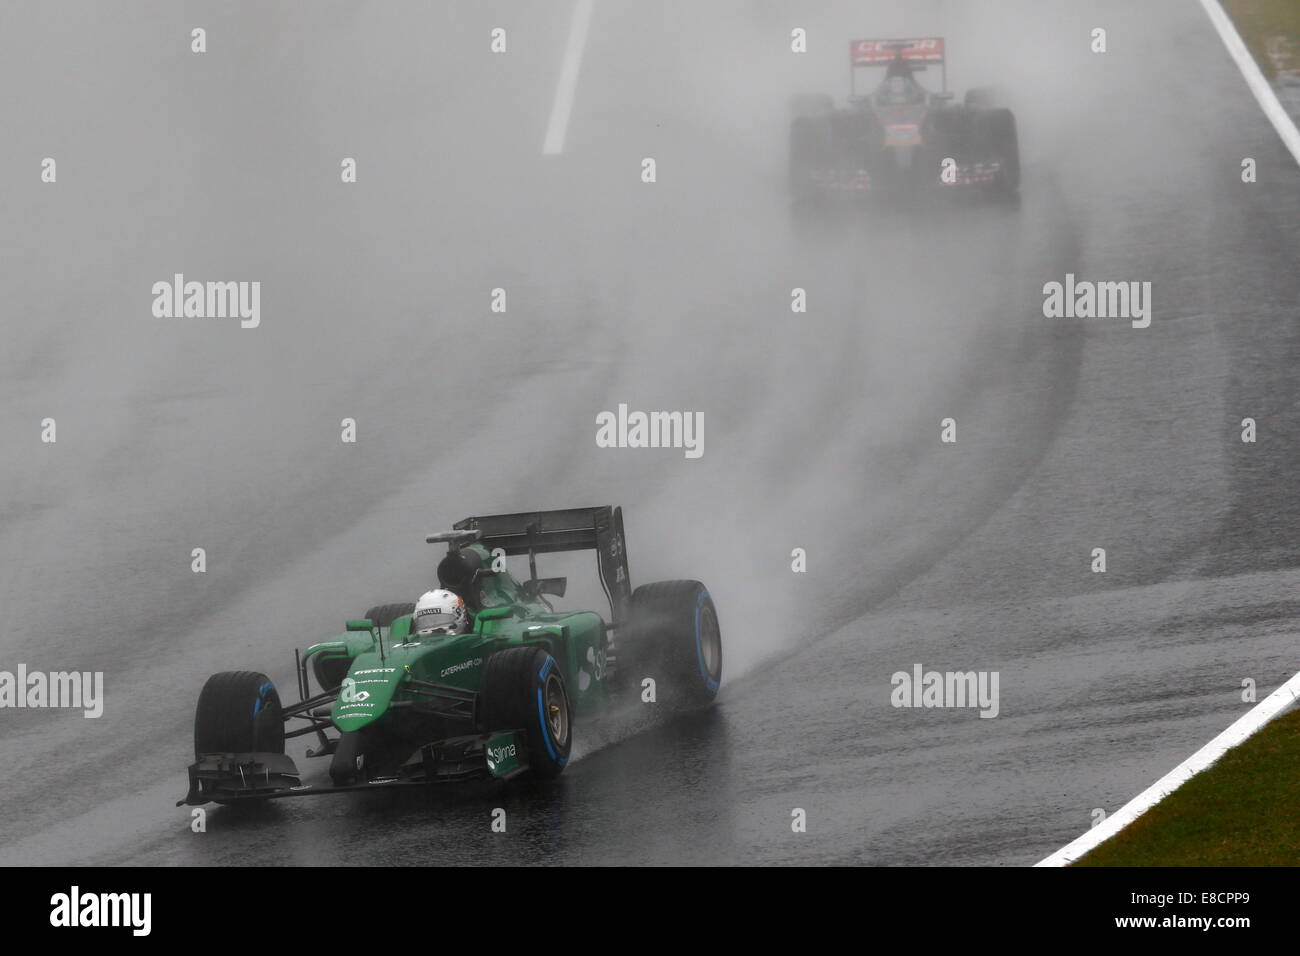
<point>901,137</point>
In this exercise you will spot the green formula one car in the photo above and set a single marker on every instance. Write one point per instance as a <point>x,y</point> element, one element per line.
<point>397,707</point>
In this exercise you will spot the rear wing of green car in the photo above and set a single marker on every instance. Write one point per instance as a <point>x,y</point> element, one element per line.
<point>572,529</point>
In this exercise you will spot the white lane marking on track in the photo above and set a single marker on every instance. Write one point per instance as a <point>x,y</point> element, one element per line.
<point>1268,100</point>
<point>563,105</point>
<point>1243,727</point>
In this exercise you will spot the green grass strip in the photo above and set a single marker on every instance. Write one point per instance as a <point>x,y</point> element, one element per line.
<point>1271,29</point>
<point>1242,811</point>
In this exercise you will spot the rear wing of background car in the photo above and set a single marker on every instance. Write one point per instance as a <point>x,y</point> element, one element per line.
<point>919,52</point>
<point>573,529</point>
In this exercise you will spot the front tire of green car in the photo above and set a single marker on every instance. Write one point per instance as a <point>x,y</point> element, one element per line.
<point>523,689</point>
<point>238,712</point>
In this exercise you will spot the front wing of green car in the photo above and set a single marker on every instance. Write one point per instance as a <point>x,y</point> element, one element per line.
<point>236,777</point>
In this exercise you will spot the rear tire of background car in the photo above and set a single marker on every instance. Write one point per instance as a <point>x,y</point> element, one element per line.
<point>1000,129</point>
<point>383,615</point>
<point>808,155</point>
<point>523,689</point>
<point>986,97</point>
<point>811,104</point>
<point>238,712</point>
<point>676,640</point>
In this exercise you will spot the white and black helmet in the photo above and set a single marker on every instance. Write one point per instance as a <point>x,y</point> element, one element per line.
<point>439,612</point>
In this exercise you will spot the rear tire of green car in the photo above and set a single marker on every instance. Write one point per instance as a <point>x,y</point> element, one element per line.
<point>330,667</point>
<point>238,712</point>
<point>383,615</point>
<point>675,639</point>
<point>523,689</point>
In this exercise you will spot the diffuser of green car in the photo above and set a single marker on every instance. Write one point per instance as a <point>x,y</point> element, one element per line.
<point>399,705</point>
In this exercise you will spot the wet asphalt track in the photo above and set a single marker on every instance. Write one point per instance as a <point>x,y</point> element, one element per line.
<point>821,430</point>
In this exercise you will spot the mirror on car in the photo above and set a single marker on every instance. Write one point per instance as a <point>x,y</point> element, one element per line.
<point>552,586</point>
<point>361,624</point>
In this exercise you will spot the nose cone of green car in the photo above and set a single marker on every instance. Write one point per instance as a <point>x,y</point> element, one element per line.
<point>366,692</point>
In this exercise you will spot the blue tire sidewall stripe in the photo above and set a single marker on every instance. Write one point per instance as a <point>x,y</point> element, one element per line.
<point>261,696</point>
<point>545,727</point>
<point>541,714</point>
<point>709,682</point>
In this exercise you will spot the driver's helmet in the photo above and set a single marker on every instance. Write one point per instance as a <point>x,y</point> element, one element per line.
<point>899,90</point>
<point>439,612</point>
